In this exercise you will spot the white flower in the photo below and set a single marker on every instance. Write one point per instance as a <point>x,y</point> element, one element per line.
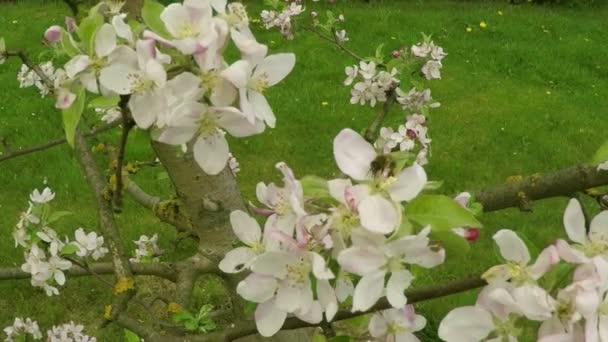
<point>89,245</point>
<point>341,36</point>
<point>586,245</point>
<point>249,232</point>
<point>396,325</point>
<point>414,100</point>
<point>379,211</point>
<point>191,26</point>
<point>46,196</point>
<point>252,79</point>
<point>603,166</point>
<point>351,74</point>
<point>50,236</point>
<point>421,50</point>
<point>147,249</point>
<point>233,164</point>
<point>109,115</point>
<point>367,70</point>
<point>21,328</point>
<point>432,70</point>
<point>373,258</point>
<point>517,269</point>
<point>68,332</point>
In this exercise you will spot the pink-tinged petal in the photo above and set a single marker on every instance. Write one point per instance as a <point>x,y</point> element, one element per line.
<point>65,98</point>
<point>502,299</point>
<point>361,260</point>
<point>466,324</point>
<point>353,154</point>
<point>211,153</point>
<point>236,123</point>
<point>237,260</point>
<point>238,73</point>
<point>368,291</point>
<point>156,73</point>
<point>105,40</point>
<point>275,68</point>
<point>272,264</point>
<point>546,259</point>
<point>319,267</point>
<point>409,183</point>
<point>378,326</point>
<point>574,222</point>
<point>261,108</point>
<point>379,214</point>
<point>485,301</point>
<point>257,288</point>
<point>245,227</point>
<point>396,286</point>
<point>327,299</point>
<point>76,65</point>
<point>290,296</point>
<point>591,329</point>
<point>570,254</point>
<point>587,301</point>
<point>313,314</point>
<point>251,51</point>
<point>552,330</point>
<point>511,246</point>
<point>269,319</point>
<point>53,34</point>
<point>463,199</point>
<point>175,17</point>
<point>337,189</point>
<point>224,93</point>
<point>598,229</point>
<point>149,35</point>
<point>122,29</point>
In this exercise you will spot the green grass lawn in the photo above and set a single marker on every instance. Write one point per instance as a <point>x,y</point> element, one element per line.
<point>527,94</point>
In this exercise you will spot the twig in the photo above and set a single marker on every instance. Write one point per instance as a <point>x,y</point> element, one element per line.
<point>127,125</point>
<point>335,42</point>
<point>56,142</point>
<point>25,59</point>
<point>371,133</point>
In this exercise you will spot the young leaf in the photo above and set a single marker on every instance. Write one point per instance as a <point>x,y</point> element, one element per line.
<point>151,15</point>
<point>104,102</point>
<point>71,116</point>
<point>454,245</point>
<point>314,186</point>
<point>69,249</point>
<point>601,155</point>
<point>70,47</point>
<point>441,212</point>
<point>87,29</point>
<point>131,336</point>
<point>55,216</point>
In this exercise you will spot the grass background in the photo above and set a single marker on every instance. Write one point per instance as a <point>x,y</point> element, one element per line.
<point>527,94</point>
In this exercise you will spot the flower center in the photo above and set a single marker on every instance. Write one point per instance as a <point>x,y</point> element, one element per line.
<point>282,206</point>
<point>595,248</point>
<point>209,79</point>
<point>139,85</point>
<point>258,248</point>
<point>519,274</point>
<point>207,126</point>
<point>297,273</point>
<point>237,15</point>
<point>259,83</point>
<point>186,31</point>
<point>506,328</point>
<point>394,264</point>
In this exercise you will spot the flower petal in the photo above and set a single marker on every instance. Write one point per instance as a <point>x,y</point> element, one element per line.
<point>569,254</point>
<point>598,229</point>
<point>327,299</point>
<point>361,260</point>
<point>368,291</point>
<point>395,288</point>
<point>269,319</point>
<point>237,260</point>
<point>261,108</point>
<point>378,214</point>
<point>511,246</point>
<point>276,67</point>
<point>105,40</point>
<point>466,324</point>
<point>212,153</point>
<point>545,260</point>
<point>257,288</point>
<point>238,73</point>
<point>236,123</point>
<point>353,154</point>
<point>574,222</point>
<point>409,183</point>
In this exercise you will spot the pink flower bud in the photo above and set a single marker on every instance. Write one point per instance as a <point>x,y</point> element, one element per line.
<point>471,234</point>
<point>70,24</point>
<point>53,34</point>
<point>396,54</point>
<point>411,134</point>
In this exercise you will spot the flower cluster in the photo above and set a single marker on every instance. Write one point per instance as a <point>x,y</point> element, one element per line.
<point>372,85</point>
<point>519,290</point>
<point>283,19</point>
<point>69,332</point>
<point>28,77</point>
<point>147,249</point>
<point>45,252</point>
<point>179,84</point>
<point>433,55</point>
<point>21,329</point>
<point>356,224</point>
<point>408,137</point>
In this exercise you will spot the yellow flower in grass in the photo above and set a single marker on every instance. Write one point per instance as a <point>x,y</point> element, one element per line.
<point>469,29</point>
<point>483,25</point>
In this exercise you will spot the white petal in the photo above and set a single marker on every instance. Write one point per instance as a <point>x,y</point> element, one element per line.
<point>272,264</point>
<point>534,302</point>
<point>174,135</point>
<point>314,314</point>
<point>574,222</point>
<point>237,260</point>
<point>569,254</point>
<point>261,108</point>
<point>289,297</point>
<point>319,267</point>
<point>377,325</point>
<point>603,328</point>
<point>175,16</point>
<point>337,188</point>
<point>117,78</point>
<point>276,67</point>
<point>251,51</point>
<point>224,93</point>
<point>353,154</point>
<point>327,299</point>
<point>368,291</point>
<point>379,214</point>
<point>105,40</point>
<point>397,283</point>
<point>257,288</point>
<point>76,65</point>
<point>466,324</point>
<point>409,183</point>
<point>123,30</point>
<point>245,227</point>
<point>545,260</point>
<point>236,123</point>
<point>361,260</point>
<point>269,319</point>
<point>211,153</point>
<point>511,246</point>
<point>598,229</point>
<point>146,107</point>
<point>238,73</point>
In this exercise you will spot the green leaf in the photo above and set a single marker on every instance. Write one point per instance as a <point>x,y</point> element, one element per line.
<point>70,47</point>
<point>69,249</point>
<point>454,245</point>
<point>104,102</point>
<point>601,155</point>
<point>55,216</point>
<point>315,187</point>
<point>131,336</point>
<point>249,307</point>
<point>87,29</point>
<point>151,15</point>
<point>342,338</point>
<point>182,316</point>
<point>318,337</point>
<point>379,53</point>
<point>441,212</point>
<point>191,325</point>
<point>71,116</point>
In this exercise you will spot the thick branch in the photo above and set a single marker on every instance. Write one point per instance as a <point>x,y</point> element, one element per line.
<point>519,192</point>
<point>56,142</point>
<point>162,270</point>
<point>122,148</point>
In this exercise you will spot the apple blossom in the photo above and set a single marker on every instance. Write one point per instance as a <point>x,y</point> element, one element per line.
<point>432,70</point>
<point>89,244</point>
<point>68,332</point>
<point>379,211</point>
<point>396,325</point>
<point>191,26</point>
<point>586,245</point>
<point>45,196</point>
<point>415,100</point>
<point>341,36</point>
<point>147,249</point>
<point>20,328</point>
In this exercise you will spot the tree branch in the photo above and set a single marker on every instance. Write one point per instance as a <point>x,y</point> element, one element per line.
<point>28,62</point>
<point>371,133</point>
<point>127,125</point>
<point>56,142</point>
<point>519,191</point>
<point>335,42</point>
